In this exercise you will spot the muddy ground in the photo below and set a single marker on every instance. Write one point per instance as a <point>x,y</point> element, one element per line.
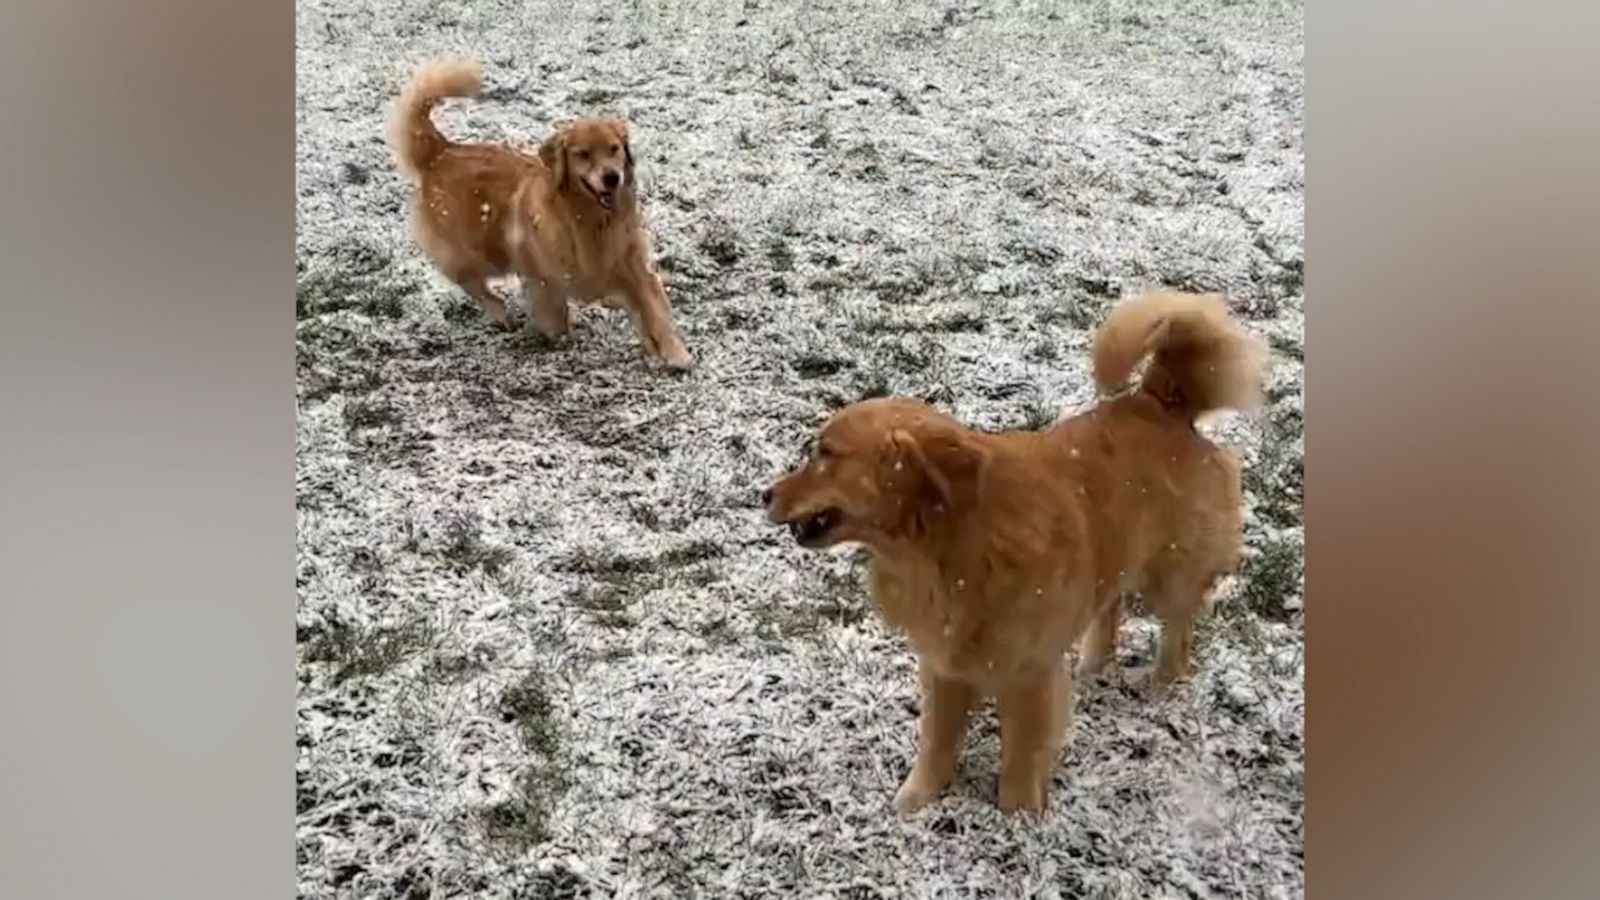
<point>547,646</point>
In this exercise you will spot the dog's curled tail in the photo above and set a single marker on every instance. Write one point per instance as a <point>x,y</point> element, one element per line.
<point>1200,358</point>
<point>416,142</point>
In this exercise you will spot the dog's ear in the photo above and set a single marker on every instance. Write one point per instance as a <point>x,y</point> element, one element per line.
<point>553,153</point>
<point>940,467</point>
<point>620,126</point>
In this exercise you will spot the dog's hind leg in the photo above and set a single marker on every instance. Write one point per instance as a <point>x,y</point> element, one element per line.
<point>1100,642</point>
<point>1176,602</point>
<point>547,307</point>
<point>477,287</point>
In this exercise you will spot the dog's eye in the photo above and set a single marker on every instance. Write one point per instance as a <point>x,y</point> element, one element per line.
<point>583,155</point>
<point>615,149</point>
<point>823,451</point>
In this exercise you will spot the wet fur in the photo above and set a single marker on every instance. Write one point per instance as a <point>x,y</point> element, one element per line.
<point>484,210</point>
<point>995,553</point>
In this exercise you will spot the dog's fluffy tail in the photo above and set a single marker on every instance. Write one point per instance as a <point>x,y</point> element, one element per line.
<point>1200,358</point>
<point>416,142</point>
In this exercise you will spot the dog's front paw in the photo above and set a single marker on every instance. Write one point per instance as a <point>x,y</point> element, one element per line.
<point>1019,795</point>
<point>914,794</point>
<point>678,358</point>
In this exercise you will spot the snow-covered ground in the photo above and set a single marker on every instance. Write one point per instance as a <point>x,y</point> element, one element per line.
<point>548,646</point>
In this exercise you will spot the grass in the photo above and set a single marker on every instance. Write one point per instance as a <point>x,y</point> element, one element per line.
<point>353,275</point>
<point>522,820</point>
<point>614,580</point>
<point>450,668</point>
<point>959,320</point>
<point>465,547</point>
<point>816,365</point>
<point>1287,347</point>
<point>1277,478</point>
<point>1274,569</point>
<point>528,704</point>
<point>600,561</point>
<point>839,600</point>
<point>1229,624</point>
<point>871,382</point>
<point>364,651</point>
<point>722,246</point>
<point>334,355</point>
<point>1039,414</point>
<point>777,623</point>
<point>1271,575</point>
<point>378,296</point>
<point>605,603</point>
<point>779,254</point>
<point>371,412</point>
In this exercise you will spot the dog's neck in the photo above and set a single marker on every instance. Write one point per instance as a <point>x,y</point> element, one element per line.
<point>910,577</point>
<point>931,539</point>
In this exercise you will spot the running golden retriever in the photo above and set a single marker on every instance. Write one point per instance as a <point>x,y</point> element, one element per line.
<point>995,553</point>
<point>566,220</point>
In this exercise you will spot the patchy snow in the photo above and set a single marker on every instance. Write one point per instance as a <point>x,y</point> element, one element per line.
<point>549,648</point>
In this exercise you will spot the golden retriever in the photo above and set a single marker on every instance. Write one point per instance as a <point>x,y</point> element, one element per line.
<point>995,553</point>
<point>566,220</point>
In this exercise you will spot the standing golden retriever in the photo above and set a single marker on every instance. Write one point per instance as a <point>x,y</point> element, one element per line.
<point>994,553</point>
<point>566,221</point>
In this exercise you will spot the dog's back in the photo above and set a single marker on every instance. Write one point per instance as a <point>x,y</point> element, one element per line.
<point>1165,502</point>
<point>1162,501</point>
<point>462,204</point>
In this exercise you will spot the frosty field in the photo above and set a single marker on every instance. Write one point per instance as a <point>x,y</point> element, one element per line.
<point>547,644</point>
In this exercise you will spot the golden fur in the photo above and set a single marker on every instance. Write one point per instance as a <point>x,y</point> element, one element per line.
<point>565,220</point>
<point>995,553</point>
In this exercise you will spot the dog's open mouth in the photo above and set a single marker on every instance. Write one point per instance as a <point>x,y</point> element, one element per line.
<point>815,527</point>
<point>604,198</point>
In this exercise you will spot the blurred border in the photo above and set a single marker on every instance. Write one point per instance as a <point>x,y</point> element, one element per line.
<point>1451,533</point>
<point>146,366</point>
<point>146,514</point>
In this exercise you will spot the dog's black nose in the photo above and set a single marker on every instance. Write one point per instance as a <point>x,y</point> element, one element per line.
<point>611,179</point>
<point>766,497</point>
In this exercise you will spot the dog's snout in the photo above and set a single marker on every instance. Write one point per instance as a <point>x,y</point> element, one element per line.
<point>766,496</point>
<point>611,179</point>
